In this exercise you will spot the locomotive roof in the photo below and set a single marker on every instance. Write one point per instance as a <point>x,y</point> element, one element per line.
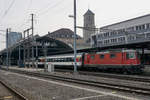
<point>111,51</point>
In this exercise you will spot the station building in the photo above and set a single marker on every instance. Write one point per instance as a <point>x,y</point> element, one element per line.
<point>129,31</point>
<point>89,26</point>
<point>31,48</point>
<point>67,36</point>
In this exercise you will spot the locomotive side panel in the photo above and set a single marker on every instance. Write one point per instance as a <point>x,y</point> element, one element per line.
<point>114,58</point>
<point>103,59</point>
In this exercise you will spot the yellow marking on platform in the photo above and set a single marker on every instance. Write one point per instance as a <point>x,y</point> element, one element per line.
<point>8,97</point>
<point>113,92</point>
<point>83,98</point>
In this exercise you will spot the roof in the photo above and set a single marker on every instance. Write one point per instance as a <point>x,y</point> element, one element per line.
<point>55,45</point>
<point>126,20</point>
<point>63,31</point>
<point>89,12</point>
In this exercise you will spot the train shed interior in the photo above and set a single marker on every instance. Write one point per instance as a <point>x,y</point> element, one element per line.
<point>29,50</point>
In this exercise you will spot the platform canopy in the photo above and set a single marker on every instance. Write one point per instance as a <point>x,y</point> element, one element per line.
<point>138,45</point>
<point>43,45</point>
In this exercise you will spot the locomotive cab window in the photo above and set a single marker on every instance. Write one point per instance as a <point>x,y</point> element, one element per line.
<point>138,55</point>
<point>112,55</point>
<point>131,55</point>
<point>101,56</point>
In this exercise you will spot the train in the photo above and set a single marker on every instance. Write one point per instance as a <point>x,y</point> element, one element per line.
<point>126,61</point>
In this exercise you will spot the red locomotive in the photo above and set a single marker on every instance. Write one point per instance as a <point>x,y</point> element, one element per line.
<point>122,60</point>
<point>125,61</point>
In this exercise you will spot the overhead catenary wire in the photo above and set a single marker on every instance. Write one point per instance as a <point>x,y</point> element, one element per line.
<point>50,8</point>
<point>47,8</point>
<point>8,9</point>
<point>23,22</point>
<point>64,8</point>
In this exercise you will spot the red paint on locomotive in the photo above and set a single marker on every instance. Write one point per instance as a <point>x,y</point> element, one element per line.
<point>112,58</point>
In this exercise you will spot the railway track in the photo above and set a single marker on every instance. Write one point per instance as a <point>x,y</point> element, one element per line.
<point>137,78</point>
<point>15,95</point>
<point>132,89</point>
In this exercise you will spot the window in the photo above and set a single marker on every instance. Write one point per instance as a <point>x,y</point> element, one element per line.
<point>143,26</point>
<point>89,18</point>
<point>148,35</point>
<point>52,60</point>
<point>106,41</point>
<point>113,33</point>
<point>113,40</point>
<point>120,31</point>
<point>112,55</point>
<point>140,36</point>
<point>140,27</point>
<point>121,39</point>
<point>106,34</point>
<point>130,55</point>
<point>48,60</point>
<point>100,42</point>
<point>64,59</point>
<point>60,59</point>
<point>137,28</point>
<point>131,37</point>
<point>92,56</point>
<point>101,56</point>
<point>100,36</point>
<point>130,29</point>
<point>147,26</point>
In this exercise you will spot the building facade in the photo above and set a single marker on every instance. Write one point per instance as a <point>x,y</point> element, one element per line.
<point>129,31</point>
<point>13,38</point>
<point>89,26</point>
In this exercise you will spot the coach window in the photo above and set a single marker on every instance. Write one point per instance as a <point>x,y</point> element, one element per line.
<point>67,59</point>
<point>112,55</point>
<point>56,59</point>
<point>101,56</point>
<point>64,59</point>
<point>72,59</point>
<point>50,60</point>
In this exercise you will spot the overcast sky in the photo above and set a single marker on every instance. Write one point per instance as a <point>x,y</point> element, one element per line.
<point>51,15</point>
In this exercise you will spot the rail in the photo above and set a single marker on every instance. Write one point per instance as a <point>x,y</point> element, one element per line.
<point>14,91</point>
<point>137,78</point>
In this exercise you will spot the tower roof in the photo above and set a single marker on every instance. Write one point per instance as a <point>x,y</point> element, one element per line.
<point>89,12</point>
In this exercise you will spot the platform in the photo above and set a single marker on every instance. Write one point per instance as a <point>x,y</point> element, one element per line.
<point>45,89</point>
